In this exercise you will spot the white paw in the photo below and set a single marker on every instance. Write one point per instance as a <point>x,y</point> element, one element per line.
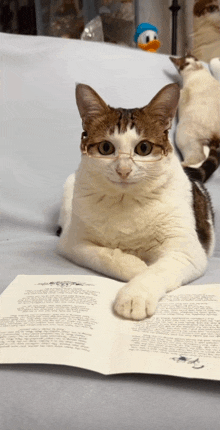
<point>135,303</point>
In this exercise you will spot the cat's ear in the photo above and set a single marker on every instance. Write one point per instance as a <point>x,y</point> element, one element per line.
<point>89,103</point>
<point>164,105</point>
<point>175,61</point>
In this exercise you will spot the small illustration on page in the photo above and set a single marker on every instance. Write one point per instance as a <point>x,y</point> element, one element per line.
<point>195,362</point>
<point>65,283</point>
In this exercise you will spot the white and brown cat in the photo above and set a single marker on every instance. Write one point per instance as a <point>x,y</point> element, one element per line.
<point>206,26</point>
<point>131,212</point>
<point>198,110</point>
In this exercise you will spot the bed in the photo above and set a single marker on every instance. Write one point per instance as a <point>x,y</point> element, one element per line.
<point>40,138</point>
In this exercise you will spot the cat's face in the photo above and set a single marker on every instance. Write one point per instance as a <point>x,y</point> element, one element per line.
<point>208,8</point>
<point>186,64</point>
<point>124,158</point>
<point>126,146</point>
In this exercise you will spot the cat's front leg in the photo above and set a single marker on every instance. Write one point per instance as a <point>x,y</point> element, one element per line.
<point>110,262</point>
<point>139,298</point>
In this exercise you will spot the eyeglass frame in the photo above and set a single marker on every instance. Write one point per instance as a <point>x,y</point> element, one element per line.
<point>115,158</point>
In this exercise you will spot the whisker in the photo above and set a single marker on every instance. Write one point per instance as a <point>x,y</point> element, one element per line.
<point>101,199</point>
<point>89,195</point>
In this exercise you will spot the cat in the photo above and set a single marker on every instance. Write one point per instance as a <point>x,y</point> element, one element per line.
<point>206,25</point>
<point>131,212</point>
<point>198,111</point>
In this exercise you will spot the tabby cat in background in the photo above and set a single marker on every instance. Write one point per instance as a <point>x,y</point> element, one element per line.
<point>131,212</point>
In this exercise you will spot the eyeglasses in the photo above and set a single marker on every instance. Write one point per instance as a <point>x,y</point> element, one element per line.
<point>150,158</point>
<point>142,152</point>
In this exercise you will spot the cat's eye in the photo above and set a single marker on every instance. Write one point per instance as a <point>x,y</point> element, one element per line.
<point>212,9</point>
<point>106,148</point>
<point>143,148</point>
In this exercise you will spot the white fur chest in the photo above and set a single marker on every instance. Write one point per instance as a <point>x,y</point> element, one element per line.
<point>133,224</point>
<point>121,222</point>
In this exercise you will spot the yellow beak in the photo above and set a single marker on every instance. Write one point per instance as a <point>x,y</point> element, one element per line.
<point>151,46</point>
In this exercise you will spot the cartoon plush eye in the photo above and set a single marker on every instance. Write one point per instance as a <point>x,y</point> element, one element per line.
<point>147,36</point>
<point>106,148</point>
<point>143,148</point>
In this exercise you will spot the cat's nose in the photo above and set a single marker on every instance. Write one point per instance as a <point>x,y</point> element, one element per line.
<point>123,171</point>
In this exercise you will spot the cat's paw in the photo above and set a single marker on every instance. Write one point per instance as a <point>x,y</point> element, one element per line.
<point>135,303</point>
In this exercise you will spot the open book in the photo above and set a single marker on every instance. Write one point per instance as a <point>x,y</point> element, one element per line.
<point>68,319</point>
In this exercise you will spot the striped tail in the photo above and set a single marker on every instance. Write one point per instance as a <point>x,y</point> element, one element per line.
<point>208,167</point>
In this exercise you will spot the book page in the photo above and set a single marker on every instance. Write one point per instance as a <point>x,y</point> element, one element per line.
<point>58,319</point>
<point>181,339</point>
<point>69,320</point>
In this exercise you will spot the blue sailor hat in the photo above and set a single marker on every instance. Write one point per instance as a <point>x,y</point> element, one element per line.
<point>143,27</point>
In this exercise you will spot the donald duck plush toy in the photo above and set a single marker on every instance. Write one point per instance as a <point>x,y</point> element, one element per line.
<point>146,37</point>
